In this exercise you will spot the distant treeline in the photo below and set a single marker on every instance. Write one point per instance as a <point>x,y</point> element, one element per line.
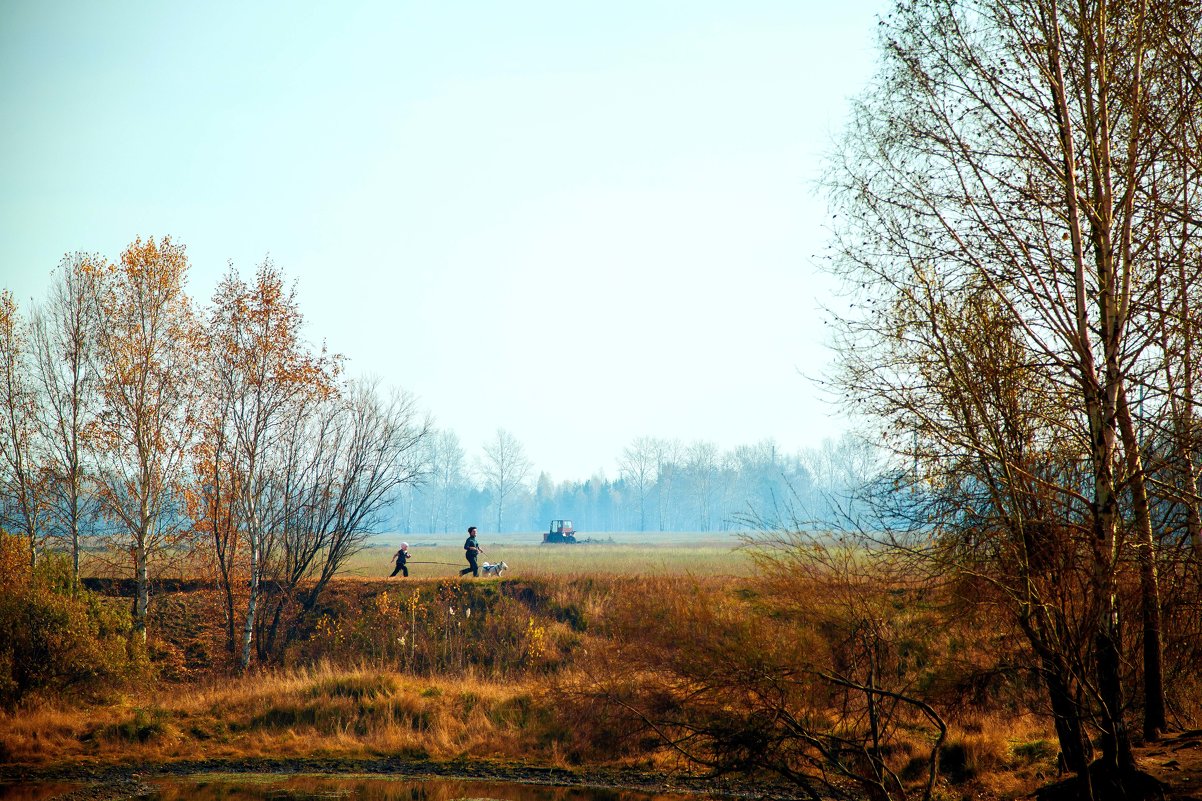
<point>662,485</point>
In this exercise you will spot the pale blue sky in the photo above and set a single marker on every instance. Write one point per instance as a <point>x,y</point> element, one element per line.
<point>581,222</point>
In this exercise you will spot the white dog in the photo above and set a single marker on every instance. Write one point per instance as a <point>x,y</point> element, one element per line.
<point>493,570</point>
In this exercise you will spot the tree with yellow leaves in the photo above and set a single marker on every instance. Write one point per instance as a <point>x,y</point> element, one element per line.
<point>147,349</point>
<point>262,372</point>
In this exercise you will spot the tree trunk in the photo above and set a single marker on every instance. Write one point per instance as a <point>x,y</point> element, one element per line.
<point>1194,518</point>
<point>274,628</point>
<point>248,632</point>
<point>1066,716</point>
<point>1155,717</point>
<point>143,587</point>
<point>73,525</point>
<point>227,593</point>
<point>1075,750</point>
<point>1117,758</point>
<point>74,557</point>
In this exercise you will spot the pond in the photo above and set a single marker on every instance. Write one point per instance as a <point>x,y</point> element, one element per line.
<point>268,787</point>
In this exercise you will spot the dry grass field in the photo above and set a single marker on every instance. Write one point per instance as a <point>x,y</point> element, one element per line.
<point>319,711</point>
<point>547,666</point>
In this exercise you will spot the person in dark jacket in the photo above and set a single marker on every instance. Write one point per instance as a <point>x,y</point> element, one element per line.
<point>402,556</point>
<point>471,549</point>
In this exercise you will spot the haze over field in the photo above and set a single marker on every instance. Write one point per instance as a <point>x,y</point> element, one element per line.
<point>580,224</point>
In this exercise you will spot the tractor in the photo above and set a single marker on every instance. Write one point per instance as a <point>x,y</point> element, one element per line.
<point>560,531</point>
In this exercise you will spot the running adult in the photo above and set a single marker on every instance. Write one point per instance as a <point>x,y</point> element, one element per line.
<point>471,549</point>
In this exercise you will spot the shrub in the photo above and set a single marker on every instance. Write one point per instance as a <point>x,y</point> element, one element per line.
<point>495,629</point>
<point>52,640</point>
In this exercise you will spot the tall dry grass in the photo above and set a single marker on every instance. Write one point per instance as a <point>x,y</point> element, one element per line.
<point>495,629</point>
<point>426,668</point>
<point>766,675</point>
<point>322,710</point>
<point>561,669</point>
<point>519,670</point>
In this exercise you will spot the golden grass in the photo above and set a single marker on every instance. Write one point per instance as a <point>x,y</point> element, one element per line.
<point>1005,756</point>
<point>324,711</point>
<point>586,601</point>
<point>320,711</point>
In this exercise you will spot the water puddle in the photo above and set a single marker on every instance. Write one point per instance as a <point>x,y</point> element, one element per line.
<point>34,791</point>
<point>267,787</point>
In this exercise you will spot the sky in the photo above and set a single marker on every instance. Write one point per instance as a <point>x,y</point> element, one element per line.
<point>580,222</point>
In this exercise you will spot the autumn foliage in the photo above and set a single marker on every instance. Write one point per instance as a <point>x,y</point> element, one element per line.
<point>55,642</point>
<point>160,433</point>
<point>218,442</point>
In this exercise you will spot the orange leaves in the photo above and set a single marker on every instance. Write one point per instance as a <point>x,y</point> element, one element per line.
<point>190,423</point>
<point>8,309</point>
<point>11,335</point>
<point>15,570</point>
<point>148,351</point>
<point>160,268</point>
<point>255,335</point>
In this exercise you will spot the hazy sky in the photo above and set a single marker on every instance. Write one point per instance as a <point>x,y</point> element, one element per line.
<point>581,222</point>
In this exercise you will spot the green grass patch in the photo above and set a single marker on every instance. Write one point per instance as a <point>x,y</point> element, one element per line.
<point>356,687</point>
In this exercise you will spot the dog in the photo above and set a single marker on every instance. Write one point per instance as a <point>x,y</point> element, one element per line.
<point>493,570</point>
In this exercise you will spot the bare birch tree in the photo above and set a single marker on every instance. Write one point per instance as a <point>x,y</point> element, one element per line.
<point>343,460</point>
<point>65,332</point>
<point>24,502</point>
<point>638,466</point>
<point>446,476</point>
<point>504,468</point>
<point>702,472</point>
<point>667,471</point>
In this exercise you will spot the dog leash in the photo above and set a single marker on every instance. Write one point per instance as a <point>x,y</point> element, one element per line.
<point>448,564</point>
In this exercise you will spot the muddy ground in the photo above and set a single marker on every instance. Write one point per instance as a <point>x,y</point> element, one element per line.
<point>116,783</point>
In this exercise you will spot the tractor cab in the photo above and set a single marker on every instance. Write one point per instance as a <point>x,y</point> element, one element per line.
<point>560,531</point>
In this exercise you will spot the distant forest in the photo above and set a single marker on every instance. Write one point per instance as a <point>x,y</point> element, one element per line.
<point>662,485</point>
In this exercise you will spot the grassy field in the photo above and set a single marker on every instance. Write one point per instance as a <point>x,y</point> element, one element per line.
<point>579,656</point>
<point>676,556</point>
<point>441,556</point>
